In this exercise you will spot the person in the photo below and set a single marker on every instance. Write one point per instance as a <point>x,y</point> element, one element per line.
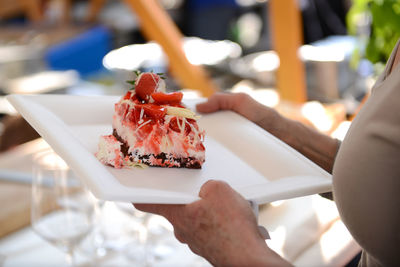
<point>366,182</point>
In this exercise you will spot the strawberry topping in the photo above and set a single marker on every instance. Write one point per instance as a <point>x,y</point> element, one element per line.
<point>176,125</point>
<point>153,111</point>
<point>127,95</point>
<point>150,111</point>
<point>167,99</point>
<point>146,84</point>
<point>134,115</point>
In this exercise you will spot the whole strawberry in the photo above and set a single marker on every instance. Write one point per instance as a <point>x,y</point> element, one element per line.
<point>147,83</point>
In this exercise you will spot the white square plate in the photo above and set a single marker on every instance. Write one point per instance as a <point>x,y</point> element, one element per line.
<point>252,161</point>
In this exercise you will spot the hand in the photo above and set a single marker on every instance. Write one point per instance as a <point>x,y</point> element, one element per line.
<point>316,146</point>
<point>249,108</point>
<point>220,226</point>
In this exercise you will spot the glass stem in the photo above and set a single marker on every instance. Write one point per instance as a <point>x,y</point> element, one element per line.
<point>70,256</point>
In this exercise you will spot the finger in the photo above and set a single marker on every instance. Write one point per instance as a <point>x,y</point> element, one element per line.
<point>211,105</point>
<point>218,101</point>
<point>211,186</point>
<point>195,249</point>
<point>206,188</point>
<point>180,236</point>
<point>152,208</point>
<point>166,210</point>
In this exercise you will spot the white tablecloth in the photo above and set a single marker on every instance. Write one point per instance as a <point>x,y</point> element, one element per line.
<point>306,231</point>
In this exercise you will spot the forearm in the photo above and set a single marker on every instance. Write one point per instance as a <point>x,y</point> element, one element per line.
<point>268,258</point>
<point>255,253</point>
<point>318,147</point>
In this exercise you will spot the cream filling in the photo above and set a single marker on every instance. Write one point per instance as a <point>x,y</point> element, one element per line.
<point>170,142</point>
<point>109,151</point>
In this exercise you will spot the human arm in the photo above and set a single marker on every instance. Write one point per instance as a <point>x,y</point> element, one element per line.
<point>220,226</point>
<point>316,146</point>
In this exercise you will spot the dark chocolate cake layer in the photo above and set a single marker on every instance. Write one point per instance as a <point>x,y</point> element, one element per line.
<point>190,162</point>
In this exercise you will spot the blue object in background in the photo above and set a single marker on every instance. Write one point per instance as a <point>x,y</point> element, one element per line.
<point>83,53</point>
<point>200,4</point>
<point>210,19</point>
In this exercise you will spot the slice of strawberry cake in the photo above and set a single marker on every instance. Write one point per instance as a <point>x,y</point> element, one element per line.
<point>152,127</point>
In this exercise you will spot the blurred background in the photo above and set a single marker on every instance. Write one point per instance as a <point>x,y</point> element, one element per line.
<point>313,60</point>
<point>292,55</point>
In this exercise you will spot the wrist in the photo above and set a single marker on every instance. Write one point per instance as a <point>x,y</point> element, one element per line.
<point>260,255</point>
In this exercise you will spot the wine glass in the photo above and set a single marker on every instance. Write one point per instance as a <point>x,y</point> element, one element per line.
<point>62,209</point>
<point>154,236</point>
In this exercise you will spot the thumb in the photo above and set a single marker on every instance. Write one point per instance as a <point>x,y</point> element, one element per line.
<point>218,101</point>
<point>211,105</point>
<point>169,211</point>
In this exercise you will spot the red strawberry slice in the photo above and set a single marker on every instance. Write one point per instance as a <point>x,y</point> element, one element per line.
<point>200,147</point>
<point>130,96</point>
<point>151,111</point>
<point>169,99</point>
<point>154,111</point>
<point>146,129</point>
<point>134,115</point>
<point>146,84</point>
<point>173,124</point>
<point>127,95</point>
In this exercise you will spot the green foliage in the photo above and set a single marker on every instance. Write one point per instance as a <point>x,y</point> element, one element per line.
<point>132,82</point>
<point>385,26</point>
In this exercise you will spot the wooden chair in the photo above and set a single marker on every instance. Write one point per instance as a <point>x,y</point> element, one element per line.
<point>286,28</point>
<point>29,8</point>
<point>286,32</point>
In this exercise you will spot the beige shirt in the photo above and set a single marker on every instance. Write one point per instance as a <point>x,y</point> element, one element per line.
<point>366,173</point>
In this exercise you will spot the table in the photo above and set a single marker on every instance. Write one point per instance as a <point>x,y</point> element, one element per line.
<point>26,248</point>
<point>306,231</point>
<point>313,239</point>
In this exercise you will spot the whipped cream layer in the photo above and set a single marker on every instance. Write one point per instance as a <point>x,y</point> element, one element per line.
<point>109,151</point>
